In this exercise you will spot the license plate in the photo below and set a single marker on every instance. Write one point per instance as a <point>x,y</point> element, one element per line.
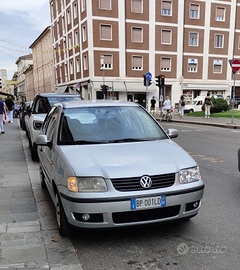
<point>148,202</point>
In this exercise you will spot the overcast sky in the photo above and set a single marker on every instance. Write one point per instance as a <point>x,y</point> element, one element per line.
<point>21,22</point>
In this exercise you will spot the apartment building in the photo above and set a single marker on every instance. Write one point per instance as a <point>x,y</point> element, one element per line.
<point>43,77</point>
<point>115,42</point>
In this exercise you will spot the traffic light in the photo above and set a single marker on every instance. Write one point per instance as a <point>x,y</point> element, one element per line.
<point>158,80</point>
<point>149,82</point>
<point>144,80</point>
<point>162,80</point>
<point>104,88</point>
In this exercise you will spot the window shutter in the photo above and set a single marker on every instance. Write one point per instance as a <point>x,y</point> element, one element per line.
<point>136,34</point>
<point>137,6</point>
<point>166,36</point>
<point>105,4</point>
<point>194,7</point>
<point>220,12</point>
<point>137,61</point>
<point>105,32</point>
<point>166,5</point>
<point>165,63</point>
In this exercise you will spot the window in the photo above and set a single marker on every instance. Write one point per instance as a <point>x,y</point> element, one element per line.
<point>105,32</point>
<point>217,66</point>
<point>137,62</point>
<point>78,64</point>
<point>69,42</point>
<point>76,39</point>
<point>137,6</point>
<point>218,42</point>
<point>71,67</point>
<point>166,37</point>
<point>239,42</point>
<point>83,5</point>
<point>192,65</point>
<point>193,39</point>
<point>75,11</point>
<point>105,4</point>
<point>165,64</point>
<point>194,11</point>
<point>137,34</point>
<point>107,61</point>
<point>68,17</point>
<point>85,62</point>
<point>220,12</point>
<point>84,33</point>
<point>63,26</point>
<point>66,72</point>
<point>166,8</point>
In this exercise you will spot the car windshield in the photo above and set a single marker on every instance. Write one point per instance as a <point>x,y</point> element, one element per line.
<point>108,125</point>
<point>45,103</point>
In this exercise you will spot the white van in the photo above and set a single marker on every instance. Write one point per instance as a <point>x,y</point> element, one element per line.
<point>195,105</point>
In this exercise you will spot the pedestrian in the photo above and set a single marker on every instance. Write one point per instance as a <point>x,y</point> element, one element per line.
<point>181,105</point>
<point>1,116</point>
<point>153,103</point>
<point>166,105</point>
<point>10,107</point>
<point>208,104</point>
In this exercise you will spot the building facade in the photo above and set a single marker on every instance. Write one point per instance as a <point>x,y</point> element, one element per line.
<point>23,63</point>
<point>115,42</point>
<point>43,78</point>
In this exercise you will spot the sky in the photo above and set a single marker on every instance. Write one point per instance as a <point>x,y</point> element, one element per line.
<point>21,23</point>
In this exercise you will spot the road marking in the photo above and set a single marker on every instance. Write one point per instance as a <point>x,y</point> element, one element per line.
<point>211,159</point>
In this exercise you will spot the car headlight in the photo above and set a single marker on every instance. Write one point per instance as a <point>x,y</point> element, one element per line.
<point>91,184</point>
<point>190,175</point>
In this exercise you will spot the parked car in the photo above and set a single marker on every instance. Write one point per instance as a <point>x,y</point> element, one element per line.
<point>22,114</point>
<point>109,164</point>
<point>42,103</point>
<point>16,110</point>
<point>195,105</point>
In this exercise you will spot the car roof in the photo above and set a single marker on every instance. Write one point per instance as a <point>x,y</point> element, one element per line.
<point>57,95</point>
<point>95,103</point>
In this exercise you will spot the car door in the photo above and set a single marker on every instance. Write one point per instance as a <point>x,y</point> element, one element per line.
<point>46,152</point>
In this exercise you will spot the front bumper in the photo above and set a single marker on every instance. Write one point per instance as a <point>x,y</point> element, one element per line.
<point>116,212</point>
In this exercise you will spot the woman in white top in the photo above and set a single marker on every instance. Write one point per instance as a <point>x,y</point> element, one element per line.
<point>166,105</point>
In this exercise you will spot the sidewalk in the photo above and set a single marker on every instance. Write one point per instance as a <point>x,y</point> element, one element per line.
<point>27,216</point>
<point>218,122</point>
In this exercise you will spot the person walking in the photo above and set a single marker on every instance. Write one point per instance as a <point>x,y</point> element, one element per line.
<point>181,105</point>
<point>10,107</point>
<point>1,116</point>
<point>153,103</point>
<point>208,104</point>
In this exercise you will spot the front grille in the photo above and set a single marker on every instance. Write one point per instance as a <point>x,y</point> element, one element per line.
<point>146,215</point>
<point>133,184</point>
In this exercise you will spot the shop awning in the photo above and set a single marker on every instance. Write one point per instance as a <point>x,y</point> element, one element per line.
<point>208,87</point>
<point>61,89</point>
<point>117,86</point>
<point>139,87</point>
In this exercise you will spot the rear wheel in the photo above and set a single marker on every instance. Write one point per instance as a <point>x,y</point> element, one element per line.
<point>63,225</point>
<point>168,117</point>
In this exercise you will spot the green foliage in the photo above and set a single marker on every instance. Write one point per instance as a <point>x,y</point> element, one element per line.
<point>220,105</point>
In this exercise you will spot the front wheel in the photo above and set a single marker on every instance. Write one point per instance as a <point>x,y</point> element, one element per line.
<point>62,222</point>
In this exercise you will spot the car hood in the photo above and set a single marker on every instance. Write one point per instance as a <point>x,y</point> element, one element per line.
<point>116,160</point>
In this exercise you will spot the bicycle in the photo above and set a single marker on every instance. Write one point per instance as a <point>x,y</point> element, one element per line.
<point>167,117</point>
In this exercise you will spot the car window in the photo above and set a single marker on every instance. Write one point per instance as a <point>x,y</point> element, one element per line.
<point>108,124</point>
<point>42,105</point>
<point>53,100</point>
<point>51,125</point>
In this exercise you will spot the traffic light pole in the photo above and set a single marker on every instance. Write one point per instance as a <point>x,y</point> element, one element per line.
<point>147,95</point>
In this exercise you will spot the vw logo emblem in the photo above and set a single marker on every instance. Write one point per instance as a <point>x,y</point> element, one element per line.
<point>145,181</point>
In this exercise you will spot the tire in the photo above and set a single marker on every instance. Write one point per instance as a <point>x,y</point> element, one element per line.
<point>191,111</point>
<point>34,154</point>
<point>62,222</point>
<point>168,118</point>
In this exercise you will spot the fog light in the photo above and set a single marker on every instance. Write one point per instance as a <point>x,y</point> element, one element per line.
<point>196,204</point>
<point>85,217</point>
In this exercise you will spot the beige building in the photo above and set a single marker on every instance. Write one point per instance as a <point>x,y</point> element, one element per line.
<point>188,41</point>
<point>29,81</point>
<point>23,64</point>
<point>43,79</point>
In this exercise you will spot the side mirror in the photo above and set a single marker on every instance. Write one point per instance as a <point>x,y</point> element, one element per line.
<point>29,111</point>
<point>42,140</point>
<point>172,133</point>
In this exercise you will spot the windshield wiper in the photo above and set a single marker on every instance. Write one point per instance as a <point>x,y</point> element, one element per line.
<point>127,140</point>
<point>87,142</point>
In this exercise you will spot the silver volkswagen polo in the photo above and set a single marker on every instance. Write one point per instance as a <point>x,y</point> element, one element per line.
<point>110,164</point>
